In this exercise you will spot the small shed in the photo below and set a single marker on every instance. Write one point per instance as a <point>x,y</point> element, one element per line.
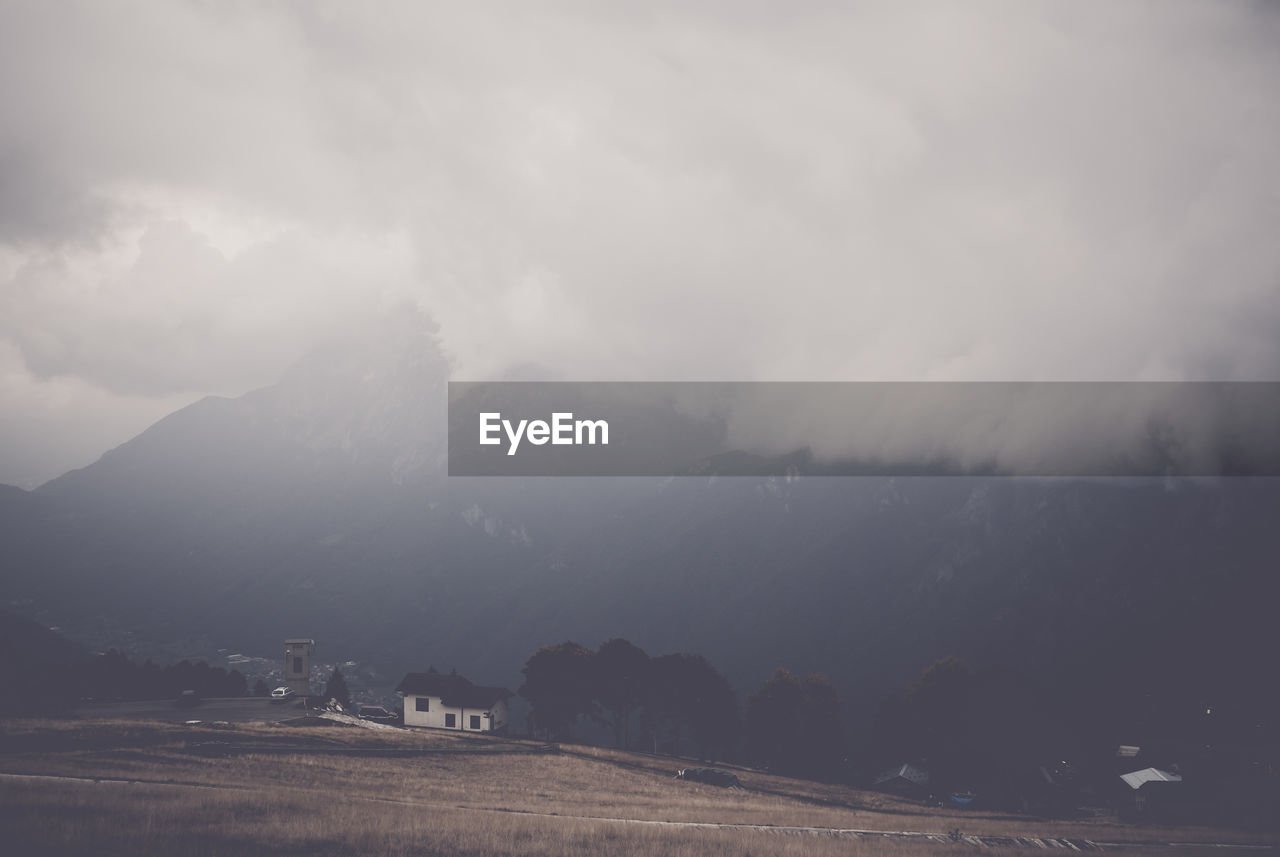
<point>905,779</point>
<point>1152,793</point>
<point>1137,779</point>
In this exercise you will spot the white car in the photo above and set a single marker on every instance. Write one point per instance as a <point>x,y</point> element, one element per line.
<point>280,694</point>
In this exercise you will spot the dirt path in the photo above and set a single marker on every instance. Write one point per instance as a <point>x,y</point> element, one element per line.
<point>834,832</point>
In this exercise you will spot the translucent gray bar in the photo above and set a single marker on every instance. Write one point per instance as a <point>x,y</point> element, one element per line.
<point>789,429</point>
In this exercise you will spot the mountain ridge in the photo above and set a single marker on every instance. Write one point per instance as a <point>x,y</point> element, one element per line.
<point>320,505</point>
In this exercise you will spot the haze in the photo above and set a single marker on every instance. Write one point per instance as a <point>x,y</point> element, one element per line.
<point>193,196</point>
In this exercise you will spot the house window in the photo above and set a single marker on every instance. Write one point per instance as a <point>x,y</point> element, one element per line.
<point>450,721</point>
<point>475,721</point>
<point>422,703</point>
<point>297,664</point>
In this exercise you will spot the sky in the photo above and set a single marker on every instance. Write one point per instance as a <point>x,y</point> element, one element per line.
<point>193,195</point>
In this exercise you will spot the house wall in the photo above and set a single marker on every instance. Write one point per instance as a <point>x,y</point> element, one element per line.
<point>499,712</point>
<point>435,717</point>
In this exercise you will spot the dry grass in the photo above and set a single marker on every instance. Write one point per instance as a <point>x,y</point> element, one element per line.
<point>272,789</point>
<point>155,820</point>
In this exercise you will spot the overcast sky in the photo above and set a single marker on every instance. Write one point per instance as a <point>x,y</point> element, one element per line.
<point>192,194</point>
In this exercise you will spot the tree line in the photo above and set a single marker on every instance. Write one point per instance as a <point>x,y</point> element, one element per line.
<point>655,702</point>
<point>979,730</point>
<point>114,676</point>
<point>792,724</point>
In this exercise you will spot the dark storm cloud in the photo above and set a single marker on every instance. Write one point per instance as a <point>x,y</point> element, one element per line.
<point>821,191</point>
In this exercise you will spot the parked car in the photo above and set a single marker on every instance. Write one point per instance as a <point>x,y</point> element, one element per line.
<point>280,694</point>
<point>376,714</point>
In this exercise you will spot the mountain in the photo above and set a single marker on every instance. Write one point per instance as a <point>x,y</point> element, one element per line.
<point>319,507</point>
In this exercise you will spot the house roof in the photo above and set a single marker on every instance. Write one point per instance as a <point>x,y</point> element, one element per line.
<point>907,772</point>
<point>1137,779</point>
<point>453,690</point>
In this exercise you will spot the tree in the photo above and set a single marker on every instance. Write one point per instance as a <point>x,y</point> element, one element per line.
<point>621,672</point>
<point>236,684</point>
<point>794,725</point>
<point>559,684</point>
<point>821,737</point>
<point>936,707</point>
<point>260,688</point>
<point>982,729</point>
<point>1011,726</point>
<point>891,733</point>
<point>712,709</point>
<point>772,720</point>
<point>944,683</point>
<point>687,691</point>
<point>336,688</point>
<point>114,676</point>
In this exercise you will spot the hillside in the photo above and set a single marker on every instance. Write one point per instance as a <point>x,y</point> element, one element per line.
<point>319,506</point>
<point>142,789</point>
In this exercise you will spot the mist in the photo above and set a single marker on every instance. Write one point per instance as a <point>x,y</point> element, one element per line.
<point>196,196</point>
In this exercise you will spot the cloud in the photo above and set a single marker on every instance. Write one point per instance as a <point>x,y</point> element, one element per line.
<point>194,192</point>
<point>184,317</point>
<point>50,426</point>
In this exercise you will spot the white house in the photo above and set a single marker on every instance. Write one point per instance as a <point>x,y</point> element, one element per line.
<point>451,702</point>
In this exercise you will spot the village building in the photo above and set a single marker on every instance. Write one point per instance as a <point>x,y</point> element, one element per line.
<point>297,665</point>
<point>1128,751</point>
<point>1153,794</point>
<point>904,779</point>
<point>439,701</point>
<point>1137,779</point>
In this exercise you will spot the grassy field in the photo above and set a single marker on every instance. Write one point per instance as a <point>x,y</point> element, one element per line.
<point>140,788</point>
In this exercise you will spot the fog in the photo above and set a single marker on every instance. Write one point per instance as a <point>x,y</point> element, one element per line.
<point>193,196</point>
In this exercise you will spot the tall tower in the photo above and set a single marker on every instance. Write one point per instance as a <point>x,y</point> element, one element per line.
<point>297,665</point>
